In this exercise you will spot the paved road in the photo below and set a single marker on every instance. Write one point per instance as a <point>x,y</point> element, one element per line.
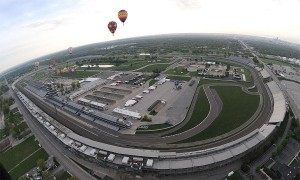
<point>50,145</point>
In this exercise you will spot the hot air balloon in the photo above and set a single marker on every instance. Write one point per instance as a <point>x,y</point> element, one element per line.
<point>123,15</point>
<point>70,49</point>
<point>53,64</point>
<point>112,26</point>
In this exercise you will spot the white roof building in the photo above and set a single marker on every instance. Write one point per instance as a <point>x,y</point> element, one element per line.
<point>279,108</point>
<point>97,104</point>
<point>130,102</point>
<point>152,88</point>
<point>125,160</point>
<point>146,92</point>
<point>126,112</point>
<point>111,157</point>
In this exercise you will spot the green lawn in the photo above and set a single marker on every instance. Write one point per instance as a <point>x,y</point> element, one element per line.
<point>2,134</point>
<point>28,164</point>
<point>21,127</point>
<point>40,74</point>
<point>248,75</point>
<point>14,110</point>
<point>79,74</point>
<point>16,154</point>
<point>201,110</point>
<point>154,67</point>
<point>151,82</point>
<point>238,107</point>
<point>177,71</point>
<point>179,78</point>
<point>131,65</point>
<point>15,118</point>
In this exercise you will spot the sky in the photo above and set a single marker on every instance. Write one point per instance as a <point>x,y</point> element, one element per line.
<point>33,28</point>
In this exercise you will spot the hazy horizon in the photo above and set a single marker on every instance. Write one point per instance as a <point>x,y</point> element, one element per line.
<point>32,29</point>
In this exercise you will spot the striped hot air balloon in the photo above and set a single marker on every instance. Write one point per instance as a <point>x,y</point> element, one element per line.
<point>123,15</point>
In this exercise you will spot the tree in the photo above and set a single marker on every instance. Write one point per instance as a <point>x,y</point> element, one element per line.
<point>228,67</point>
<point>255,60</point>
<point>14,133</point>
<point>40,163</point>
<point>78,84</point>
<point>47,175</point>
<point>73,85</point>
<point>245,168</point>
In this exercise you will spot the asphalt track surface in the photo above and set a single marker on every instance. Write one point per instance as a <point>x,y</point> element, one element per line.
<point>154,141</point>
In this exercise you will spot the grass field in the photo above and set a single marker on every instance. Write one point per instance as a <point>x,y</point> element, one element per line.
<point>39,75</point>
<point>131,65</point>
<point>201,110</point>
<point>2,134</point>
<point>154,67</point>
<point>179,78</point>
<point>248,75</point>
<point>79,74</point>
<point>22,126</point>
<point>16,154</point>
<point>28,164</point>
<point>151,82</point>
<point>14,110</point>
<point>177,71</point>
<point>238,107</point>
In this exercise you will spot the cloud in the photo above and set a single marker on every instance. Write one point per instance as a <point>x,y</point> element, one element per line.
<point>189,4</point>
<point>45,24</point>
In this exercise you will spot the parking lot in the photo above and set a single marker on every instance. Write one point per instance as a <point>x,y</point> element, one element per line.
<point>177,102</point>
<point>289,152</point>
<point>293,90</point>
<point>286,71</point>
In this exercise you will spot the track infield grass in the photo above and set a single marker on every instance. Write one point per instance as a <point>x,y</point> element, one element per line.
<point>200,112</point>
<point>238,107</point>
